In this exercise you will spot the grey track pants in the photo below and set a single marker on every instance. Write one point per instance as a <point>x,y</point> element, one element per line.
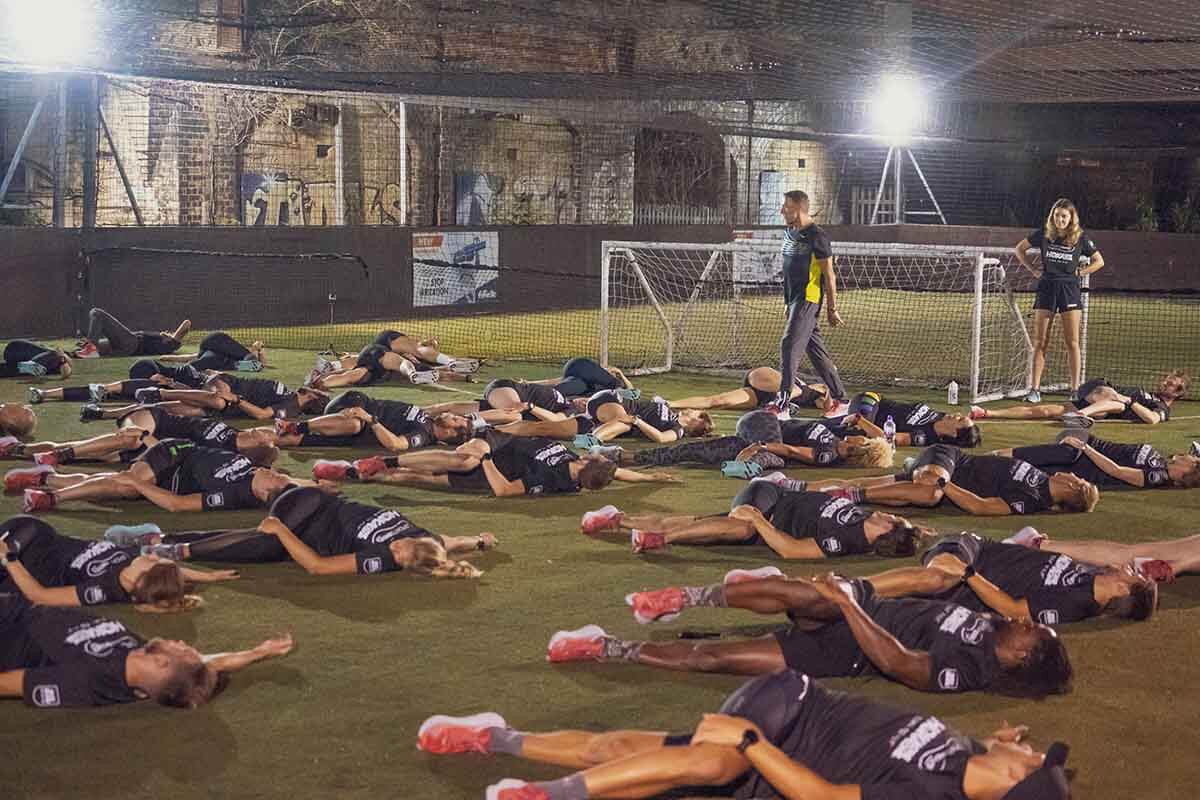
<point>803,336</point>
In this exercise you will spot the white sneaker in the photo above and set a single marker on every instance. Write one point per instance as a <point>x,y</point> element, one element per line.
<point>1027,537</point>
<point>1034,396</point>
<point>424,377</point>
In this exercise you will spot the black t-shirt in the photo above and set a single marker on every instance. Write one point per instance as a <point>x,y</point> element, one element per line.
<point>342,526</point>
<point>403,419</point>
<point>834,523</point>
<point>960,642</point>
<point>891,753</point>
<point>201,430</point>
<point>539,394</point>
<point>92,567</point>
<point>1060,261</point>
<point>223,478</point>
<point>801,250</point>
<point>1142,457</point>
<point>656,412</point>
<point>259,391</point>
<point>153,343</point>
<point>1023,486</point>
<point>817,435</point>
<point>543,465</point>
<point>70,658</point>
<point>1057,588</point>
<point>1143,398</point>
<point>915,419</point>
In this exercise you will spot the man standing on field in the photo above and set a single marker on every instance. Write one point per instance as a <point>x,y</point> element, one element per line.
<point>808,280</point>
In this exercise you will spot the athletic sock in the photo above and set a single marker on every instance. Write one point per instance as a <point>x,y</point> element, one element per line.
<point>443,359</point>
<point>711,596</point>
<point>505,740</point>
<point>76,394</point>
<point>621,650</point>
<point>391,461</point>
<point>571,787</point>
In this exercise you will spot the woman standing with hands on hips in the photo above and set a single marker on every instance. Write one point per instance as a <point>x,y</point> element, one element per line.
<point>1063,245</point>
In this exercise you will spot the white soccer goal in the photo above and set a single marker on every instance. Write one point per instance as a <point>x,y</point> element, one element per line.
<point>915,314</point>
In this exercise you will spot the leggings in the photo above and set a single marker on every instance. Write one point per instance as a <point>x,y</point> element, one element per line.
<point>292,508</point>
<point>184,373</point>
<point>19,350</point>
<point>219,351</point>
<point>103,325</point>
<point>703,451</point>
<point>584,377</point>
<point>1048,455</point>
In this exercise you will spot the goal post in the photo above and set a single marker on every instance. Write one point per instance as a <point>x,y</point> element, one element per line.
<point>916,315</point>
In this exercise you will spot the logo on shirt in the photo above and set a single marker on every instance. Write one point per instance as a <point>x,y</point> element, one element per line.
<point>370,565</point>
<point>1018,507</point>
<point>46,695</point>
<point>93,596</point>
<point>935,759</point>
<point>915,741</point>
<point>1048,617</point>
<point>105,649</point>
<point>918,438</point>
<point>973,633</point>
<point>1156,477</point>
<point>216,500</point>
<point>948,679</point>
<point>824,457</point>
<point>536,489</point>
<point>383,527</point>
<point>832,545</point>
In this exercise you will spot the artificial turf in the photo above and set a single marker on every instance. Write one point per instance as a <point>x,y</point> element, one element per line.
<point>376,655</point>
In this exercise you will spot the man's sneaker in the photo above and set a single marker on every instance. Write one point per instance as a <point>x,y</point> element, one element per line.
<point>18,480</point>
<point>612,452</point>
<point>36,395</point>
<point>1027,537</point>
<point>1034,396</point>
<point>661,605</point>
<point>839,409</point>
<point>285,427</point>
<point>37,500</point>
<point>98,393</point>
<point>87,349</point>
<point>91,413</point>
<point>741,469</point>
<point>782,481</point>
<point>327,470</point>
<point>1155,569</point>
<point>513,789</point>
<point>249,365</point>
<point>134,535</point>
<point>1073,419</point>
<point>424,376</point>
<point>150,394</point>
<point>645,540</point>
<point>601,520</point>
<point>371,465</point>
<point>31,368</point>
<point>48,458</point>
<point>464,366</point>
<point>582,644</point>
<point>744,575</point>
<point>441,734</point>
<point>586,441</point>
<point>8,445</point>
<point>978,412</point>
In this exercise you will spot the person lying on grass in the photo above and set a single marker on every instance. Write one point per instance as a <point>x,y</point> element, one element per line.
<point>759,389</point>
<point>611,414</point>
<point>778,736</point>
<point>1098,399</point>
<point>1111,464</point>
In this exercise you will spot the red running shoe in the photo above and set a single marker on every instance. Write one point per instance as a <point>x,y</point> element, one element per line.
<point>7,445</point>
<point>371,465</point>
<point>645,540</point>
<point>661,605</point>
<point>87,350</point>
<point>441,734</point>
<point>1155,569</point>
<point>48,458</point>
<point>513,789</point>
<point>37,500</point>
<point>284,427</point>
<point>583,644</point>
<point>18,480</point>
<point>326,470</point>
<point>601,520</point>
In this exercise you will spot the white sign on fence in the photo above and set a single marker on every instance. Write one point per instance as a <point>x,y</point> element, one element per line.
<point>455,278</point>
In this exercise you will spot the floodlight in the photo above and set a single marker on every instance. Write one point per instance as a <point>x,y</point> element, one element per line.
<point>898,108</point>
<point>46,31</point>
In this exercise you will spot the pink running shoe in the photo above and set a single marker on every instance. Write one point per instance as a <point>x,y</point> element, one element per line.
<point>326,470</point>
<point>441,734</point>
<point>645,540</point>
<point>513,789</point>
<point>87,350</point>
<point>7,445</point>
<point>843,492</point>
<point>1155,569</point>
<point>661,605</point>
<point>371,465</point>
<point>744,575</point>
<point>583,644</point>
<point>18,480</point>
<point>839,409</point>
<point>49,458</point>
<point>1027,537</point>
<point>284,427</point>
<point>978,412</point>
<point>37,500</point>
<point>601,520</point>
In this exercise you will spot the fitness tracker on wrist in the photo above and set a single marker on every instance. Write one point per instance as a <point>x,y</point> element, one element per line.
<point>749,739</point>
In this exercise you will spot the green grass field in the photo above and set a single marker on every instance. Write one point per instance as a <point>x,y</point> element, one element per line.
<point>375,656</point>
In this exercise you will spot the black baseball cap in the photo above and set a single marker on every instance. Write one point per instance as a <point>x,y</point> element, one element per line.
<point>1048,782</point>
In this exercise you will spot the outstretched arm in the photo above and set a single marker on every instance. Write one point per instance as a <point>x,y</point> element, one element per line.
<point>161,497</point>
<point>545,415</point>
<point>275,647</point>
<point>1130,475</point>
<point>653,476</point>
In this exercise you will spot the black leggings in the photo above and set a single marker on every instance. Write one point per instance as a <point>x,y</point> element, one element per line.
<point>583,376</point>
<point>121,340</point>
<point>219,351</point>
<point>19,350</point>
<point>704,451</point>
<point>293,508</point>
<point>184,373</point>
<point>1048,455</point>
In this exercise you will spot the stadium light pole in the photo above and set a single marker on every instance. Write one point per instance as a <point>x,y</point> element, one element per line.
<point>896,112</point>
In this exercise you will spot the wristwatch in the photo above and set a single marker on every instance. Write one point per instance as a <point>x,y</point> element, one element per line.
<point>968,573</point>
<point>941,482</point>
<point>749,738</point>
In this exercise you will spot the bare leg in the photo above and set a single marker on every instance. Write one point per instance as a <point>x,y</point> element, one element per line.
<point>437,462</point>
<point>653,773</point>
<point>711,530</point>
<point>556,429</point>
<point>1034,411</point>
<point>745,657</point>
<point>581,749</point>
<point>1102,408</point>
<point>737,399</point>
<point>904,493</point>
<point>103,487</point>
<point>1182,554</point>
<point>336,425</point>
<point>182,330</point>
<point>611,430</point>
<point>336,380</point>
<point>1042,325</point>
<point>657,523</point>
<point>407,477</point>
<point>1070,325</point>
<point>779,595</point>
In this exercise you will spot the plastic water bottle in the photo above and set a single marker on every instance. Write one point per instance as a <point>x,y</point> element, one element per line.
<point>952,393</point>
<point>889,431</point>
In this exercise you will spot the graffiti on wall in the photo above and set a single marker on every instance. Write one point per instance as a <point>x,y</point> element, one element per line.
<point>490,198</point>
<point>272,199</point>
<point>604,198</point>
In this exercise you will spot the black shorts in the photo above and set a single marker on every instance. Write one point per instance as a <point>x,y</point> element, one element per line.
<point>942,455</point>
<point>1059,295</point>
<point>760,494</point>
<point>584,424</point>
<point>1049,457</point>
<point>498,383</point>
<point>165,459</point>
<point>1080,400</point>
<point>830,651</point>
<point>384,339</point>
<point>761,396</point>
<point>473,481</point>
<point>602,398</point>
<point>370,358</point>
<point>964,546</point>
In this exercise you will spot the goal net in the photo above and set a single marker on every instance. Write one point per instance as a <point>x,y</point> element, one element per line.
<point>915,315</point>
